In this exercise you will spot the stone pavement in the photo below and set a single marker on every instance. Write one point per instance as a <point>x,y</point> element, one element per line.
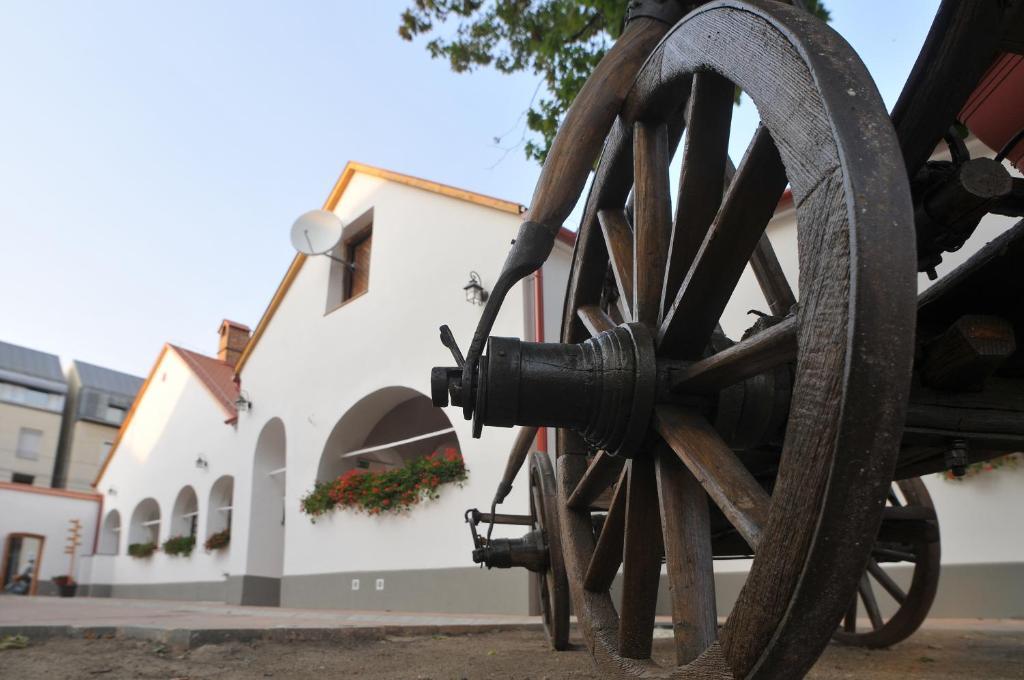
<point>191,624</point>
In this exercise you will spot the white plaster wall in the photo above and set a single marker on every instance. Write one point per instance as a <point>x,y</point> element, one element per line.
<point>49,515</point>
<point>176,422</point>
<point>310,368</point>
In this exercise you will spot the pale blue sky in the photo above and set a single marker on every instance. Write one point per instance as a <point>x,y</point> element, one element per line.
<point>154,154</point>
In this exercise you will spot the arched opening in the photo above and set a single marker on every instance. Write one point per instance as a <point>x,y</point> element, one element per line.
<point>110,534</point>
<point>145,524</point>
<point>218,516</point>
<point>384,430</point>
<point>185,515</point>
<point>267,512</point>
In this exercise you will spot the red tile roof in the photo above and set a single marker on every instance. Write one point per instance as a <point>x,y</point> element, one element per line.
<point>216,375</point>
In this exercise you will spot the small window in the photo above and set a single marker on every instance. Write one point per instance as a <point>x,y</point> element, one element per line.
<point>350,267</point>
<point>19,478</point>
<point>115,414</point>
<point>29,442</point>
<point>357,254</point>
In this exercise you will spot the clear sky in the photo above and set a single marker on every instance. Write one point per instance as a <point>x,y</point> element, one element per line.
<point>154,154</point>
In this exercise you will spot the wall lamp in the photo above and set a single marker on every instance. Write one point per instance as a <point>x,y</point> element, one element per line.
<point>475,292</point>
<point>243,403</point>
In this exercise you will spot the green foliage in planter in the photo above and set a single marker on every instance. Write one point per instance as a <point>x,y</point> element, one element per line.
<point>180,545</point>
<point>392,491</point>
<point>141,549</point>
<point>218,541</point>
<point>318,501</point>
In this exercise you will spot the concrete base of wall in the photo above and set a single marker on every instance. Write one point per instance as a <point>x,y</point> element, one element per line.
<point>965,591</point>
<point>255,591</point>
<point>199,590</point>
<point>459,590</point>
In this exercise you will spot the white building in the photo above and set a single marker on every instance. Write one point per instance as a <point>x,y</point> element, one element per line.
<point>340,362</point>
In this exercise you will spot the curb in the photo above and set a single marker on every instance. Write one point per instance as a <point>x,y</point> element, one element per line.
<point>185,638</point>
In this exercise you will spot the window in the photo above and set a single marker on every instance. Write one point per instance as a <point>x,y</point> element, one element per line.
<point>115,414</point>
<point>357,254</point>
<point>29,442</point>
<point>19,478</point>
<point>350,267</point>
<point>26,396</point>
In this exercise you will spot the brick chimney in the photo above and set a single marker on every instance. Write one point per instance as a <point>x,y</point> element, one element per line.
<point>233,338</point>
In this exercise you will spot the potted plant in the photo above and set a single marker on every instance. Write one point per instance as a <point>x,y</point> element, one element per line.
<point>218,541</point>
<point>141,550</point>
<point>180,545</point>
<point>66,585</point>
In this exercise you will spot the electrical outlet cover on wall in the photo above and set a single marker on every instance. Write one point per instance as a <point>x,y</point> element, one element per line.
<point>355,584</point>
<point>380,584</point>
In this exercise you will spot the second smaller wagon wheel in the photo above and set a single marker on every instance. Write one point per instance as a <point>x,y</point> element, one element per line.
<point>552,586</point>
<point>909,537</point>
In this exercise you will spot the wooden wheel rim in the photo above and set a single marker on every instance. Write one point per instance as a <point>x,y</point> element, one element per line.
<point>854,328</point>
<point>912,612</point>
<point>552,585</point>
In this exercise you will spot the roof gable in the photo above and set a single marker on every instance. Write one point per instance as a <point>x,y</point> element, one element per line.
<point>215,375</point>
<point>351,168</point>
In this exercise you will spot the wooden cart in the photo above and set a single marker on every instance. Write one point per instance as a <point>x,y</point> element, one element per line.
<point>782,445</point>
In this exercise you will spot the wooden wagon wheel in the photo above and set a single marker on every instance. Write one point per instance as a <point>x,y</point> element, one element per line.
<point>921,550</point>
<point>825,131</point>
<point>552,585</point>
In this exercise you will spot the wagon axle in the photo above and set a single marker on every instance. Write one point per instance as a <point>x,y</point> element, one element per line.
<point>529,551</point>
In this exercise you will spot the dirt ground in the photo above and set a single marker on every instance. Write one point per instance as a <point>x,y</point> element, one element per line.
<point>493,656</point>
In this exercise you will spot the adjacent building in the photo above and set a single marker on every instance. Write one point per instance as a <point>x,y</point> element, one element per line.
<point>97,402</point>
<point>32,395</point>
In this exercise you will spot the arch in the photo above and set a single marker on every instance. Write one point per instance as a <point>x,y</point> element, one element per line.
<point>219,511</point>
<point>110,534</point>
<point>145,522</point>
<point>392,414</point>
<point>184,519</point>
<point>267,511</point>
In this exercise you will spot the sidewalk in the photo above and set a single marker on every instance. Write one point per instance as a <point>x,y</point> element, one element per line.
<point>191,624</point>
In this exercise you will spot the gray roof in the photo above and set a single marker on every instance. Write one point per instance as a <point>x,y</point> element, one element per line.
<point>107,380</point>
<point>31,367</point>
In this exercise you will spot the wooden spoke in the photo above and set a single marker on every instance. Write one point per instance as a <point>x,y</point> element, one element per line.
<point>595,320</point>
<point>686,532</point>
<point>850,620</point>
<point>867,595</point>
<point>653,220</point>
<point>769,348</point>
<point>748,205</point>
<point>641,560</point>
<point>599,476</point>
<point>771,279</point>
<point>725,479</point>
<point>618,238</point>
<point>607,558</point>
<point>702,179</point>
<point>886,582</point>
<point>894,555</point>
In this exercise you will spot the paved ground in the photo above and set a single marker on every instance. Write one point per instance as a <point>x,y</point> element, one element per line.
<point>169,615</point>
<point>285,643</point>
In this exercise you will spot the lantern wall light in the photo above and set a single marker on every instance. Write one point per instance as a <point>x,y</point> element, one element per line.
<point>475,292</point>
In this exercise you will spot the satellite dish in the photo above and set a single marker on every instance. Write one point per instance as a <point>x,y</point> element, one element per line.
<point>317,232</point>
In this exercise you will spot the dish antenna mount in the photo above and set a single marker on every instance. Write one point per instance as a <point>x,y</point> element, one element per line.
<point>318,232</point>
